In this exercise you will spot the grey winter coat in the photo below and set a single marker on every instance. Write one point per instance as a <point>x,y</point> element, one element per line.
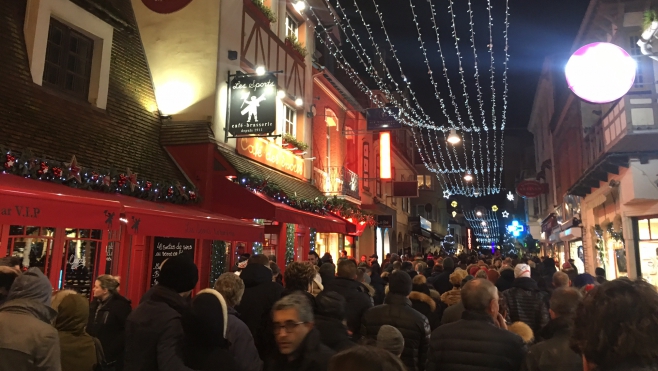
<point>526,303</point>
<point>242,346</point>
<point>28,341</point>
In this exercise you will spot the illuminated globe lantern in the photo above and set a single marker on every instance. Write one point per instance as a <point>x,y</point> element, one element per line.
<point>600,72</point>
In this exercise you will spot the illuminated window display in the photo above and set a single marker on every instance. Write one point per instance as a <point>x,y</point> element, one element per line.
<point>648,246</point>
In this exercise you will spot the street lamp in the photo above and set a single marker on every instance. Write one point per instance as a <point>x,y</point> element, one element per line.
<point>260,70</point>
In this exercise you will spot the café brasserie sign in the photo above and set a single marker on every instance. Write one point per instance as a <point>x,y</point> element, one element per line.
<point>253,105</point>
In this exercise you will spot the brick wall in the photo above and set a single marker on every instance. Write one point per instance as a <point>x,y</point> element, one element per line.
<point>124,135</point>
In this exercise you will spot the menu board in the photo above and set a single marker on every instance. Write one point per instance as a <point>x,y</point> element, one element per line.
<point>165,248</point>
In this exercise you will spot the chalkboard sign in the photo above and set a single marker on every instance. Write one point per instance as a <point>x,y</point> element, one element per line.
<point>164,248</point>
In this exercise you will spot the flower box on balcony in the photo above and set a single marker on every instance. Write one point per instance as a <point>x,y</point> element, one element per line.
<point>293,44</point>
<point>260,11</point>
<point>291,143</point>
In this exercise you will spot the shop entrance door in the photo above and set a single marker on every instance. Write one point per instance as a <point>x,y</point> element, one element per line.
<point>79,260</point>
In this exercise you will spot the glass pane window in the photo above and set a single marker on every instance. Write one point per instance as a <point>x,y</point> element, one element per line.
<point>79,261</point>
<point>643,229</point>
<point>292,28</point>
<point>636,53</point>
<point>366,166</point>
<point>68,60</point>
<point>290,125</point>
<point>34,245</point>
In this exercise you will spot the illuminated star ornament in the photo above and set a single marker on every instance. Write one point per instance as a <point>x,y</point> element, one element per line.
<point>505,214</point>
<point>74,169</point>
<point>446,194</point>
<point>132,179</point>
<point>510,196</point>
<point>494,208</point>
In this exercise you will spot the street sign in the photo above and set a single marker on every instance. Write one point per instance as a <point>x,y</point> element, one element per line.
<point>531,188</point>
<point>252,108</point>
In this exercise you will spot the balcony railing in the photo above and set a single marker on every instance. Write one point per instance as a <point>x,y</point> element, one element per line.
<point>337,181</point>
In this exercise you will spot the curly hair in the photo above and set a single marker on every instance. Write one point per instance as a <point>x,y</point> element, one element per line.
<point>298,276</point>
<point>616,325</point>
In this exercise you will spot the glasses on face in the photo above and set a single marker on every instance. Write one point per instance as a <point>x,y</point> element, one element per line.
<point>289,326</point>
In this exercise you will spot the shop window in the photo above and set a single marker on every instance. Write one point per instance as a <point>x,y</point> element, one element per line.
<point>81,249</point>
<point>69,49</point>
<point>270,244</point>
<point>68,60</point>
<point>112,251</point>
<point>290,121</point>
<point>32,244</point>
<point>366,166</point>
<point>292,27</point>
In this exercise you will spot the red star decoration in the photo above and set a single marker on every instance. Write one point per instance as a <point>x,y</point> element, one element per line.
<point>43,168</point>
<point>148,186</point>
<point>181,190</point>
<point>132,179</point>
<point>57,171</point>
<point>10,161</point>
<point>192,195</point>
<point>74,170</point>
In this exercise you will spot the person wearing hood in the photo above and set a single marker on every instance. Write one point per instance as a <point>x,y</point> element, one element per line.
<point>525,302</point>
<point>421,300</point>
<point>205,345</point>
<point>397,311</point>
<point>28,341</point>
<point>327,273</point>
<point>241,341</point>
<point>452,297</point>
<point>330,321</point>
<point>548,270</point>
<point>154,330</point>
<point>78,349</point>
<point>442,281</point>
<point>377,283</point>
<point>356,295</point>
<point>7,276</point>
<point>107,319</point>
<point>260,294</point>
<point>553,352</point>
<point>506,279</point>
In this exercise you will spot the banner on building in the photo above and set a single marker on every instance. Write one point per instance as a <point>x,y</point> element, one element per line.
<point>252,108</point>
<point>385,221</point>
<point>382,118</point>
<point>165,248</point>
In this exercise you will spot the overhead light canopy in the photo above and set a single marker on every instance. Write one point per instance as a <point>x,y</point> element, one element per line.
<point>453,138</point>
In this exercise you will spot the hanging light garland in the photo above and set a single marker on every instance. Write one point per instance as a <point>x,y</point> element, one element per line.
<point>485,225</point>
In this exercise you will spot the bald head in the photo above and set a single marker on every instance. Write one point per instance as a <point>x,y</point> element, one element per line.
<point>560,279</point>
<point>478,294</point>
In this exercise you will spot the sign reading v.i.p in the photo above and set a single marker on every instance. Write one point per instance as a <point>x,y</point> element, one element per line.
<point>253,105</point>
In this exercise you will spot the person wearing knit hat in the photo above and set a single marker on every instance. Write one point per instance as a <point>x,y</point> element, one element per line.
<point>205,344</point>
<point>389,338</point>
<point>524,301</point>
<point>154,330</point>
<point>397,311</point>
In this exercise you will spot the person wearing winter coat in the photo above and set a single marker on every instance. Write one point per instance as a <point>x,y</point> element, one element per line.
<point>242,346</point>
<point>525,302</point>
<point>421,300</point>
<point>454,313</point>
<point>154,330</point>
<point>78,349</point>
<point>330,319</point>
<point>28,341</point>
<point>554,353</point>
<point>298,341</point>
<point>442,281</point>
<point>356,296</point>
<point>108,313</point>
<point>377,283</point>
<point>397,311</point>
<point>480,340</point>
<point>7,277</point>
<point>614,327</point>
<point>506,279</point>
<point>452,297</point>
<point>205,346</point>
<point>260,294</point>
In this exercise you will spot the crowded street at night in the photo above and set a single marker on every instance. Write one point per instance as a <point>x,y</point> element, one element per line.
<point>329,185</point>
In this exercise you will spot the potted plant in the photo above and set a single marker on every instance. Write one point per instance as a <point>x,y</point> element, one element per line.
<point>291,143</point>
<point>295,45</point>
<point>263,12</point>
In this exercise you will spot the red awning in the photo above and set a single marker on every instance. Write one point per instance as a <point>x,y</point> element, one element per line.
<point>168,220</point>
<point>39,203</point>
<point>239,202</point>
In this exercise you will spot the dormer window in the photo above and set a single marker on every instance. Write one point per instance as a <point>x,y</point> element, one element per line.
<point>292,27</point>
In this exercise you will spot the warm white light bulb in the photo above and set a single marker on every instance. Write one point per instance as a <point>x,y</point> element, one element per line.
<point>453,138</point>
<point>260,70</point>
<point>300,5</point>
<point>280,94</point>
<point>468,176</point>
<point>299,102</point>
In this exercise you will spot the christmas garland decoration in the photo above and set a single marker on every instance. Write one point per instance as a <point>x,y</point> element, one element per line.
<point>72,174</point>
<point>318,205</point>
<point>290,243</point>
<point>217,261</point>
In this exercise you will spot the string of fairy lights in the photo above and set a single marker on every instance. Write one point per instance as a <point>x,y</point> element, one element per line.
<point>484,225</point>
<point>460,172</point>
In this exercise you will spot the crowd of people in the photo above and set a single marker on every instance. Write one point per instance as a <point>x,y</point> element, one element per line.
<point>422,313</point>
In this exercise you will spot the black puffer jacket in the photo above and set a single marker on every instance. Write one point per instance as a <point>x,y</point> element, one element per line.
<point>474,343</point>
<point>333,333</point>
<point>526,303</point>
<point>415,328</point>
<point>442,281</point>
<point>506,280</point>
<point>260,294</point>
<point>356,298</point>
<point>107,322</point>
<point>554,353</point>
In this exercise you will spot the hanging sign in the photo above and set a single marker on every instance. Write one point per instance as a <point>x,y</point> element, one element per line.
<point>382,118</point>
<point>253,105</point>
<point>531,188</point>
<point>165,248</point>
<point>385,221</point>
<point>166,6</point>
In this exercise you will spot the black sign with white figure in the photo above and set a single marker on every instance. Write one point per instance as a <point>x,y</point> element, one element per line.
<point>253,105</point>
<point>165,248</point>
